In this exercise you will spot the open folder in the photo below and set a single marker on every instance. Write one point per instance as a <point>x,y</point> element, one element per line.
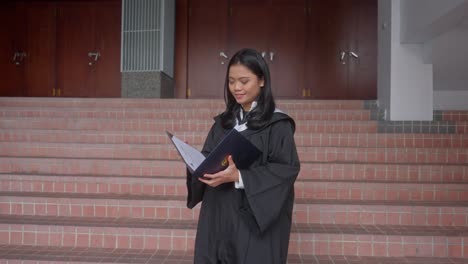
<point>243,153</point>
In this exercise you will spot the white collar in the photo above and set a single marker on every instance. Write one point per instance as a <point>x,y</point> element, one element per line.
<point>243,126</point>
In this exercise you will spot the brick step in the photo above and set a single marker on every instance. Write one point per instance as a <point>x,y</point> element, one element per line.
<point>166,168</point>
<point>154,103</point>
<point>343,190</point>
<point>198,138</point>
<point>61,255</point>
<point>173,207</point>
<point>168,152</point>
<point>354,240</point>
<point>462,127</point>
<point>304,126</point>
<point>184,113</point>
<point>453,115</point>
<point>367,191</point>
<point>176,185</point>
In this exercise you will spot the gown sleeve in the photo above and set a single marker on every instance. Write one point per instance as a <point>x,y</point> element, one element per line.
<point>269,187</point>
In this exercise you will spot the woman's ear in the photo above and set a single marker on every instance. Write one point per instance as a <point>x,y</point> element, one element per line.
<point>262,83</point>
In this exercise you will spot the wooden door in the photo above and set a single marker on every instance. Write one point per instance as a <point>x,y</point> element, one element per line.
<point>12,41</point>
<point>75,39</point>
<point>327,47</point>
<point>39,74</point>
<point>249,25</point>
<point>342,49</point>
<point>276,28</point>
<point>362,81</point>
<point>287,47</point>
<point>206,48</point>
<point>88,49</point>
<point>106,74</point>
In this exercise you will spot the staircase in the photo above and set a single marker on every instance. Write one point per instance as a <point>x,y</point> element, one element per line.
<point>97,181</point>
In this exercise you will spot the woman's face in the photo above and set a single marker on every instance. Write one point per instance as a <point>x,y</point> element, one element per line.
<point>244,85</point>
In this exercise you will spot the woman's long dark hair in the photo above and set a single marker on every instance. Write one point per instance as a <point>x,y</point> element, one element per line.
<point>261,114</point>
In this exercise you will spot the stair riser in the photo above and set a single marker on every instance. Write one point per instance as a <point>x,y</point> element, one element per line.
<point>198,138</point>
<point>177,125</point>
<point>166,210</point>
<point>303,190</point>
<point>380,215</point>
<point>168,152</point>
<point>309,171</point>
<point>177,210</point>
<point>379,245</point>
<point>314,244</point>
<point>381,192</point>
<point>201,114</point>
<point>97,237</point>
<point>456,116</point>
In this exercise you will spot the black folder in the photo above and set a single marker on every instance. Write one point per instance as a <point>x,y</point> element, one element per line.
<point>243,152</point>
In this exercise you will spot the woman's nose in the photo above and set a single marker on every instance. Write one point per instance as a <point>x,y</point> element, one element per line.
<point>237,86</point>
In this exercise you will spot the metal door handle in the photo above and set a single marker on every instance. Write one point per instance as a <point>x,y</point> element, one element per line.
<point>18,57</point>
<point>222,54</point>
<point>272,54</point>
<point>96,56</point>
<point>342,57</point>
<point>353,54</point>
<point>263,54</point>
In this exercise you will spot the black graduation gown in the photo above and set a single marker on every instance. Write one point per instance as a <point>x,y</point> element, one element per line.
<point>250,225</point>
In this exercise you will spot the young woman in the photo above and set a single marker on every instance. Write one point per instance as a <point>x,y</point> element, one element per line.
<point>245,215</point>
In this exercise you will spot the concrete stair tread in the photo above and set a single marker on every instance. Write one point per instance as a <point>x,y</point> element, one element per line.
<point>100,124</point>
<point>198,137</point>
<point>298,228</point>
<point>384,203</point>
<point>99,179</point>
<point>168,152</point>
<point>137,197</point>
<point>133,179</point>
<point>108,255</point>
<point>328,171</point>
<point>93,179</point>
<point>142,114</point>
<point>131,103</point>
<point>94,196</point>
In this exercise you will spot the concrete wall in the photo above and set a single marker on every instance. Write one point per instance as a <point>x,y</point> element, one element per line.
<point>423,20</point>
<point>442,28</point>
<point>384,33</point>
<point>408,80</point>
<point>147,85</point>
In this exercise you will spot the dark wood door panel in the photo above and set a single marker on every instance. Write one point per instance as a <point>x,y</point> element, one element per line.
<point>12,24</point>
<point>207,39</point>
<point>84,30</point>
<point>363,42</point>
<point>316,64</point>
<point>249,26</point>
<point>328,35</point>
<point>75,39</point>
<point>106,72</point>
<point>287,47</point>
<point>40,62</point>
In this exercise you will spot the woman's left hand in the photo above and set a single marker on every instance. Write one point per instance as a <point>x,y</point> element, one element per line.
<point>230,174</point>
